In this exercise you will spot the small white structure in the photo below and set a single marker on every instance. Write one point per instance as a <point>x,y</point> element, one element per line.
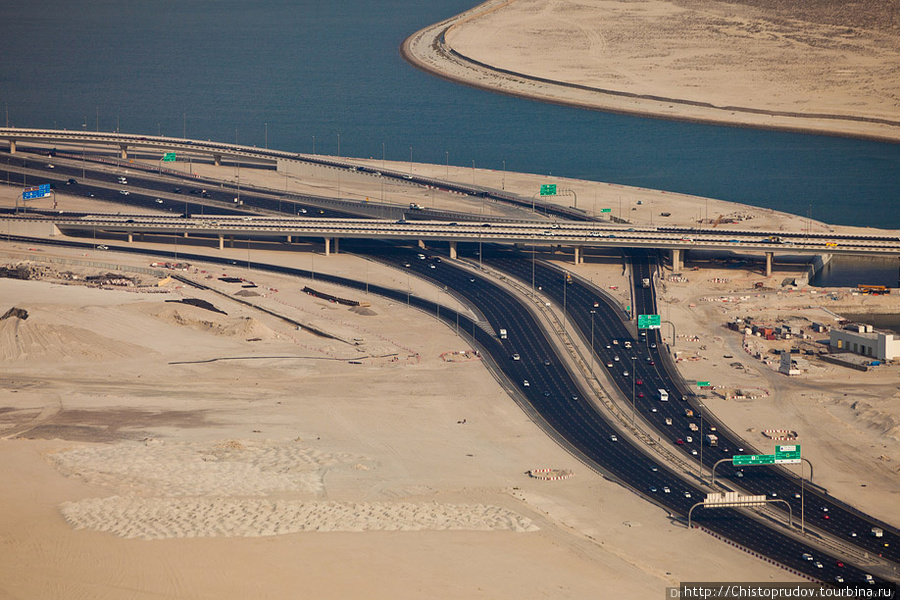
<point>865,340</point>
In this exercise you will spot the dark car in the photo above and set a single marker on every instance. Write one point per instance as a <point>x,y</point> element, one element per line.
<point>71,182</point>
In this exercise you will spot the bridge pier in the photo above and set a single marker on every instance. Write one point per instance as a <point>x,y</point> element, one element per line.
<point>769,257</point>
<point>221,242</point>
<point>579,255</point>
<point>217,160</point>
<point>289,238</point>
<point>452,249</point>
<point>130,237</point>
<point>123,151</point>
<point>328,245</point>
<point>676,259</point>
<point>12,146</point>
<point>421,244</point>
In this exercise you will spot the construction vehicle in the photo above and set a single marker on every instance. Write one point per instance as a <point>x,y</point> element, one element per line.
<point>875,290</point>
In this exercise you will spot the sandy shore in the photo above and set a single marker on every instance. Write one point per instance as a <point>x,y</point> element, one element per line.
<point>809,68</point>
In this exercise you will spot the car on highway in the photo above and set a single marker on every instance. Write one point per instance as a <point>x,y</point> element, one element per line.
<point>666,489</point>
<point>546,394</point>
<point>819,565</point>
<point>547,362</point>
<point>609,365</point>
<point>653,489</point>
<point>654,468</point>
<point>653,345</point>
<point>526,384</point>
<point>613,438</point>
<point>124,192</point>
<point>159,201</point>
<point>680,442</point>
<point>839,579</point>
<point>625,374</point>
<point>807,556</point>
<point>616,358</point>
<point>516,356</point>
<point>102,247</point>
<point>687,494</point>
<point>688,439</point>
<point>639,382</point>
<point>640,394</point>
<point>301,211</point>
<point>71,181</point>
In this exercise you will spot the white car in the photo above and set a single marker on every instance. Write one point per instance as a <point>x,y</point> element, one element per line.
<point>516,356</point>
<point>102,247</point>
<point>124,192</point>
<point>666,489</point>
<point>613,438</point>
<point>526,384</point>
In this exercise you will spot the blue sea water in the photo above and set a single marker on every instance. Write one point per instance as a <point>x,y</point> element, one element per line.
<point>305,75</point>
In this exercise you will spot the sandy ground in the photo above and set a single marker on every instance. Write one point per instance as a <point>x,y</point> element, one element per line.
<point>174,452</point>
<point>813,66</point>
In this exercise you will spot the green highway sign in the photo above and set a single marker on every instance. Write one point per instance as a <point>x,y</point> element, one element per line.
<point>168,157</point>
<point>603,210</point>
<point>548,189</point>
<point>649,322</point>
<point>702,384</point>
<point>750,460</point>
<point>786,455</point>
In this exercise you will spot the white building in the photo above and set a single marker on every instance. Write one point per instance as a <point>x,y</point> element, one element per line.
<point>864,340</point>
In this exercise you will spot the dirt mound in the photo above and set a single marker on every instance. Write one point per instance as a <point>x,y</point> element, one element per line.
<point>239,327</point>
<point>33,340</point>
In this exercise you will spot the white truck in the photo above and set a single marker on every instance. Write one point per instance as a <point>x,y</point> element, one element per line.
<point>502,334</point>
<point>663,395</point>
<point>645,282</point>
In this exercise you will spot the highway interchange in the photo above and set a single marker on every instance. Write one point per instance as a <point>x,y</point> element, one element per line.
<point>555,399</point>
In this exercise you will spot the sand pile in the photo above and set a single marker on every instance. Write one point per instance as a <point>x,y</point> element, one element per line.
<point>173,490</point>
<point>194,468</point>
<point>160,518</point>
<point>35,340</point>
<point>883,422</point>
<point>239,327</point>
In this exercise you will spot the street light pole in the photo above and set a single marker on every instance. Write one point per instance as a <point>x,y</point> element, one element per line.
<point>593,312</point>
<point>632,390</point>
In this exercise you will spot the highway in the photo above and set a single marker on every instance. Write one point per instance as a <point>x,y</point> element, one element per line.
<point>645,363</point>
<point>555,401</point>
<point>554,398</point>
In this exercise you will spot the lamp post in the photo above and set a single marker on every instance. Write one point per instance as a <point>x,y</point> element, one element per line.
<point>702,408</point>
<point>593,312</point>
<point>632,388</point>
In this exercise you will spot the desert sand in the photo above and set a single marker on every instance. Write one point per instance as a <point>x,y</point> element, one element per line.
<point>817,66</point>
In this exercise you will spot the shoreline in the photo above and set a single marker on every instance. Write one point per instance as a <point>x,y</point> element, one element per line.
<point>429,50</point>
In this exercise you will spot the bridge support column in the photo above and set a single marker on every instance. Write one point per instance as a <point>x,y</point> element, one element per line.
<point>337,245</point>
<point>676,259</point>
<point>130,237</point>
<point>452,249</point>
<point>327,246</point>
<point>123,151</point>
<point>421,244</point>
<point>217,160</point>
<point>289,239</point>
<point>12,146</point>
<point>221,242</point>
<point>769,257</point>
<point>579,255</point>
<point>231,241</point>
